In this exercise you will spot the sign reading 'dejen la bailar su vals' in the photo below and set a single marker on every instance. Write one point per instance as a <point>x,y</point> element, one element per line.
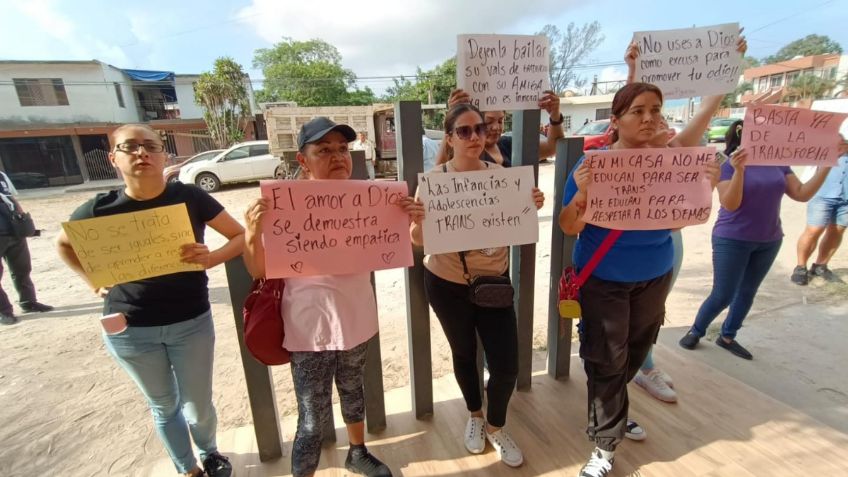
<point>478,209</point>
<point>123,248</point>
<point>781,136</point>
<point>503,72</point>
<point>690,61</point>
<point>333,227</point>
<point>649,189</point>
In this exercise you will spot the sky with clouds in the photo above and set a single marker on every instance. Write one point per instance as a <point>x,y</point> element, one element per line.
<point>375,38</point>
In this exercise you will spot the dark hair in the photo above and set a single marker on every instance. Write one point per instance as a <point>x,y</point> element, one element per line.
<point>624,98</point>
<point>732,141</point>
<point>452,115</point>
<point>114,134</point>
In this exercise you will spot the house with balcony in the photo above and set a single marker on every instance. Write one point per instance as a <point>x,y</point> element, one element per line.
<point>55,117</point>
<point>772,84</point>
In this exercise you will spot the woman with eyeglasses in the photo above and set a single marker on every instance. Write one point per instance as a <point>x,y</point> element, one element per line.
<point>746,238</point>
<point>462,321</point>
<point>168,343</point>
<point>497,146</point>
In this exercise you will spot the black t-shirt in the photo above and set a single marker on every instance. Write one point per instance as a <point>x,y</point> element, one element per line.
<point>505,146</point>
<point>170,298</point>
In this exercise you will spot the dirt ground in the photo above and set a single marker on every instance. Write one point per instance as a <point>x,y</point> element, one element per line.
<point>65,406</point>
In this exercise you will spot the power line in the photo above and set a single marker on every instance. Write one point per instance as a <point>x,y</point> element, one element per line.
<point>800,12</point>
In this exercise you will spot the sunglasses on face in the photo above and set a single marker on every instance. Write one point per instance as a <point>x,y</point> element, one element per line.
<point>133,147</point>
<point>464,132</point>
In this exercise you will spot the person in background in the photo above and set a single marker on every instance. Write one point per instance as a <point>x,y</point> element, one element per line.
<point>168,344</point>
<point>652,379</point>
<point>827,213</point>
<point>746,238</point>
<point>431,150</point>
<point>362,143</point>
<point>623,300</point>
<point>328,319</point>
<point>498,147</point>
<point>463,321</point>
<point>15,252</point>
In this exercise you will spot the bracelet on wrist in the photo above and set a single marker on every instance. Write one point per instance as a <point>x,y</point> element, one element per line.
<point>558,122</point>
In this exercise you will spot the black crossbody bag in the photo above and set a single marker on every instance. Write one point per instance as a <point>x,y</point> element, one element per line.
<point>488,291</point>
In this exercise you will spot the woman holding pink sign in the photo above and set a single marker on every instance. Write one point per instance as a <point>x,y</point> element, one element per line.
<point>328,319</point>
<point>160,329</point>
<point>450,280</point>
<point>746,238</point>
<point>623,296</point>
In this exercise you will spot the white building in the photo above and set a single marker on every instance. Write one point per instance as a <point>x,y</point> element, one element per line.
<point>55,117</point>
<point>577,110</point>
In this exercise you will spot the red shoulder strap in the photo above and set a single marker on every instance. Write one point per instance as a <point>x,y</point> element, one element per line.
<point>605,247</point>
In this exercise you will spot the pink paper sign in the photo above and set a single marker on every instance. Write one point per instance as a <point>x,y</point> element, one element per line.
<point>649,189</point>
<point>334,227</point>
<point>781,136</point>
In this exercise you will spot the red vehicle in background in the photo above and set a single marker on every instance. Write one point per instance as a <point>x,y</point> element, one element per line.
<point>595,134</point>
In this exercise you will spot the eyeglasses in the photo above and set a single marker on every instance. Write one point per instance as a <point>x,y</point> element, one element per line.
<point>464,132</point>
<point>133,147</point>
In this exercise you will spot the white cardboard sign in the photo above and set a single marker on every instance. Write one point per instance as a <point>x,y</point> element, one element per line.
<point>690,61</point>
<point>478,209</point>
<point>503,72</point>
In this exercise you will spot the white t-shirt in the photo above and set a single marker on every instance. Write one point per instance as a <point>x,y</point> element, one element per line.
<point>364,146</point>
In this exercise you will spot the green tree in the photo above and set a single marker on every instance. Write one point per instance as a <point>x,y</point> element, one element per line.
<point>810,86</point>
<point>222,94</point>
<point>807,46</point>
<point>730,99</point>
<point>569,48</point>
<point>309,73</point>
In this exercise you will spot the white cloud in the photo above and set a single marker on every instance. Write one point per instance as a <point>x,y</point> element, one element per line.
<point>391,37</point>
<point>612,73</point>
<point>47,20</point>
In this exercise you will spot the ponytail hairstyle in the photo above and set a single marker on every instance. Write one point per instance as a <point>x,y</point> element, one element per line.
<point>624,98</point>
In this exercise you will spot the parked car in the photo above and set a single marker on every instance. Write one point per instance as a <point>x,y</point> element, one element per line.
<point>718,128</point>
<point>675,128</point>
<point>243,162</point>
<point>172,173</point>
<point>595,134</point>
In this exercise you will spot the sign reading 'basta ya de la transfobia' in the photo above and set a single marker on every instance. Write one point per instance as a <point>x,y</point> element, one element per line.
<point>649,189</point>
<point>503,72</point>
<point>333,227</point>
<point>782,136</point>
<point>478,209</point>
<point>690,61</point>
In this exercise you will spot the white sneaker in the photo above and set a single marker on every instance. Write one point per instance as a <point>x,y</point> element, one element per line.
<point>634,431</point>
<point>656,386</point>
<point>507,449</point>
<point>597,465</point>
<point>475,437</point>
<point>665,377</point>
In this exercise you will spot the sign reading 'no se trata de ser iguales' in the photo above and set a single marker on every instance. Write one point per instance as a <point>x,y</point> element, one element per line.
<point>690,61</point>
<point>123,248</point>
<point>333,227</point>
<point>781,136</point>
<point>503,72</point>
<point>649,189</point>
<point>478,209</point>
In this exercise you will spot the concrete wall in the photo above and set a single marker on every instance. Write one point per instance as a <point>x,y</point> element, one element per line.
<point>580,113</point>
<point>90,91</point>
<point>184,87</point>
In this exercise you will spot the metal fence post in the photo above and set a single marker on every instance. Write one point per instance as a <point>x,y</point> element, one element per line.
<point>568,152</point>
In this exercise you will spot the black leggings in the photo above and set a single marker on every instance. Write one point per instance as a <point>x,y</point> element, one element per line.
<point>462,321</point>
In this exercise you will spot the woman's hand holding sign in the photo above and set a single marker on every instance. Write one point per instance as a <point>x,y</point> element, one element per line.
<point>414,208</point>
<point>538,198</point>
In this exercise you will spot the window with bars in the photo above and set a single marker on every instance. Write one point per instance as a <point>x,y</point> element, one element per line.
<point>41,91</point>
<point>120,95</point>
<point>567,125</point>
<point>603,113</point>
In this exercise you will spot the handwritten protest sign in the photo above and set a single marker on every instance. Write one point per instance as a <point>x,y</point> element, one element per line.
<point>649,189</point>
<point>781,136</point>
<point>690,61</point>
<point>503,72</point>
<point>331,227</point>
<point>123,248</point>
<point>478,209</point>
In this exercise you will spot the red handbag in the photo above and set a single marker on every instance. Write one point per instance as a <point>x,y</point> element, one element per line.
<point>263,322</point>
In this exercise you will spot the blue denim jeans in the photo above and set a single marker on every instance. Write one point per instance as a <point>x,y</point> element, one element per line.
<point>172,366</point>
<point>739,268</point>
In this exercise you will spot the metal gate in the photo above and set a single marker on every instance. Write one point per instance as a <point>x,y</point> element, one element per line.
<point>98,165</point>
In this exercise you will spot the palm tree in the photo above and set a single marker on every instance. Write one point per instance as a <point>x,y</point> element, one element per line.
<point>811,87</point>
<point>730,99</point>
<point>842,84</point>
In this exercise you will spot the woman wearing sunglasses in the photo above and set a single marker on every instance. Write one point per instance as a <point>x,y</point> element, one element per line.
<point>167,344</point>
<point>746,238</point>
<point>462,320</point>
<point>498,147</point>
